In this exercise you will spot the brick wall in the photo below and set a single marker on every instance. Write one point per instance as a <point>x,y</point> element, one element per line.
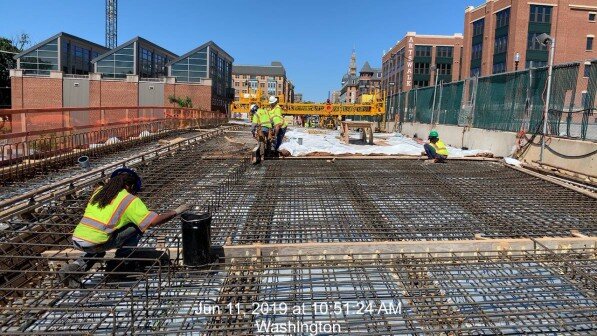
<point>200,94</point>
<point>36,92</point>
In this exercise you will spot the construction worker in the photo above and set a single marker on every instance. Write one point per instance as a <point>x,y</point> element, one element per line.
<point>280,125</point>
<point>436,150</point>
<point>114,219</point>
<point>254,118</point>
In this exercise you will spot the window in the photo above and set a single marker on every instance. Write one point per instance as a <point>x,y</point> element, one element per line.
<point>236,83</point>
<point>500,45</point>
<point>587,69</point>
<point>475,72</point>
<point>590,43</point>
<point>41,60</point>
<point>444,69</point>
<point>540,14</point>
<point>262,85</point>
<point>421,83</point>
<point>584,98</point>
<point>117,64</point>
<point>478,27</point>
<point>422,68</point>
<point>592,17</point>
<point>422,51</point>
<point>499,67</point>
<point>502,19</point>
<point>477,51</point>
<point>194,68</point>
<point>533,44</point>
<point>447,52</point>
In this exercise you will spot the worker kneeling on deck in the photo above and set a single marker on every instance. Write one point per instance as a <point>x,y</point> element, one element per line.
<point>114,218</point>
<point>280,125</point>
<point>436,150</point>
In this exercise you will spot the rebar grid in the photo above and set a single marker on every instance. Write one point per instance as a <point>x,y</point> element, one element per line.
<point>368,200</point>
<point>474,293</point>
<point>301,201</point>
<point>44,175</point>
<point>168,182</point>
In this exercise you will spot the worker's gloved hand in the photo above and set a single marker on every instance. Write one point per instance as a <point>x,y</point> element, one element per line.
<point>182,208</point>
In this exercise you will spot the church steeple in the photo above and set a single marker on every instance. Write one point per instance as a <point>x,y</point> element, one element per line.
<point>352,68</point>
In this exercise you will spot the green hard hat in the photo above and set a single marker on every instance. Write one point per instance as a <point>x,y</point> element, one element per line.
<point>433,134</point>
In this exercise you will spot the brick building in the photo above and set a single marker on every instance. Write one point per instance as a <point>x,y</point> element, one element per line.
<point>354,86</point>
<point>497,31</point>
<point>67,71</point>
<point>410,63</point>
<point>270,79</point>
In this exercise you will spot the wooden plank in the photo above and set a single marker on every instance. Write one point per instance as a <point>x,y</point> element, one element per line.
<point>554,181</point>
<point>395,247</point>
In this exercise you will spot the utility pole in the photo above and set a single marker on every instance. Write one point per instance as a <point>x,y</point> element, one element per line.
<point>545,39</point>
<point>111,23</point>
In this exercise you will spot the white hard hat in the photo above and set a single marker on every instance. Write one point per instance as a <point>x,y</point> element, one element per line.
<point>272,99</point>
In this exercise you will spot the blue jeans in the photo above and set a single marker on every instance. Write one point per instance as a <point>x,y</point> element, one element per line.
<point>128,235</point>
<point>280,137</point>
<point>432,154</point>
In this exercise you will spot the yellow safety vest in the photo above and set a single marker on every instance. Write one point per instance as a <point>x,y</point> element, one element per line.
<point>97,224</point>
<point>255,119</point>
<point>440,148</point>
<point>263,118</point>
<point>276,116</point>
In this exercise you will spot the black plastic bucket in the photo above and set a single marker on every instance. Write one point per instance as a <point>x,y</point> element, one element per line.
<point>84,162</point>
<point>196,239</point>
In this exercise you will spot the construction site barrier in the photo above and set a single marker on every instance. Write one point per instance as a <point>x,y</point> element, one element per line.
<point>513,101</point>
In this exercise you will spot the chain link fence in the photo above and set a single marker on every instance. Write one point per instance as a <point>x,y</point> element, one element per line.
<point>513,101</point>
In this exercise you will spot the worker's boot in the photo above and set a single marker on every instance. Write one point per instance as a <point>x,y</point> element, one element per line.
<point>70,274</point>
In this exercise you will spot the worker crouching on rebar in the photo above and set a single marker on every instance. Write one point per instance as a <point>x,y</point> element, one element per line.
<point>280,125</point>
<point>435,150</point>
<point>114,219</point>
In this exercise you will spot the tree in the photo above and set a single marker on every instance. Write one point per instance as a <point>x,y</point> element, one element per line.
<point>7,62</point>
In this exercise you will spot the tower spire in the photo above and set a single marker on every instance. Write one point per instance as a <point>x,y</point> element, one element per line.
<point>352,68</point>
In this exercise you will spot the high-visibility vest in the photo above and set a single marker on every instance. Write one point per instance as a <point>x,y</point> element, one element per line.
<point>255,118</point>
<point>263,118</point>
<point>276,116</point>
<point>440,148</point>
<point>97,224</point>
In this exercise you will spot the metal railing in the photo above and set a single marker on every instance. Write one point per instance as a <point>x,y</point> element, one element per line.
<point>46,137</point>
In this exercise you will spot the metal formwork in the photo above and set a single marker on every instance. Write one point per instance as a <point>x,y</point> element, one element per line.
<point>466,292</point>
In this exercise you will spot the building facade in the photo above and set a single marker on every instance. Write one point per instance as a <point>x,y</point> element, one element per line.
<point>500,35</point>
<point>207,62</point>
<point>354,86</point>
<point>416,60</point>
<point>61,52</point>
<point>138,57</point>
<point>136,73</point>
<point>270,79</point>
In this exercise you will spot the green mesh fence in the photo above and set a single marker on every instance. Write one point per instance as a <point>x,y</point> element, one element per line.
<point>450,103</point>
<point>401,105</point>
<point>589,124</point>
<point>411,106</point>
<point>500,101</point>
<point>423,105</point>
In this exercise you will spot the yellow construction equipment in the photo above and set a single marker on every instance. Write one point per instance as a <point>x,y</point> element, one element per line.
<point>329,114</point>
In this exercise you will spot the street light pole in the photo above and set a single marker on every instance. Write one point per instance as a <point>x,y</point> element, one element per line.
<point>434,67</point>
<point>546,39</point>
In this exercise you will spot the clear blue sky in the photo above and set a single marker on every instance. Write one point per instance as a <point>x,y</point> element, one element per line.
<point>312,38</point>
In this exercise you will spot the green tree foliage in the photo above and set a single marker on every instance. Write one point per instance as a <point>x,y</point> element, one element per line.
<point>8,48</point>
<point>181,102</point>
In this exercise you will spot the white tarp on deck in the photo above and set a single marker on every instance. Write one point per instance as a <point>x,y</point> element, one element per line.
<point>328,141</point>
